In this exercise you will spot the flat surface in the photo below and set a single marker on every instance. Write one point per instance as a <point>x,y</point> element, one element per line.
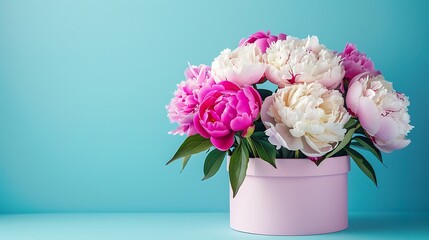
<point>193,226</point>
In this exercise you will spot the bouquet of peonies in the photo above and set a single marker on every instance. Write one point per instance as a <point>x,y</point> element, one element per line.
<point>325,104</point>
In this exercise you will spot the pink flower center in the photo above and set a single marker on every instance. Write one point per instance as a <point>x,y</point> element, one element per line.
<point>400,96</point>
<point>293,79</point>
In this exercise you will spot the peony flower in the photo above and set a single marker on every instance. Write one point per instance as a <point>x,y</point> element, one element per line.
<point>244,66</point>
<point>225,110</point>
<point>306,117</point>
<point>184,104</point>
<point>262,40</point>
<point>355,62</point>
<point>381,111</point>
<point>297,60</point>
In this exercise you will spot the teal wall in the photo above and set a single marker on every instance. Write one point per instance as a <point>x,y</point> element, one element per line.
<point>84,84</point>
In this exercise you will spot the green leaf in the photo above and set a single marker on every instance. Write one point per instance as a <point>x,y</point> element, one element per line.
<point>250,146</point>
<point>192,145</point>
<point>265,150</point>
<point>259,126</point>
<point>259,134</point>
<point>360,130</point>
<point>363,164</point>
<point>284,153</point>
<point>367,144</point>
<point>351,123</point>
<point>343,143</point>
<point>184,162</point>
<point>264,93</point>
<point>238,167</point>
<point>213,162</point>
<point>358,145</point>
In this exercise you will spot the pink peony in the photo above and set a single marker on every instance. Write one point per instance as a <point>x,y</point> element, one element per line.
<point>225,110</point>
<point>184,104</point>
<point>355,62</point>
<point>381,111</point>
<point>262,39</point>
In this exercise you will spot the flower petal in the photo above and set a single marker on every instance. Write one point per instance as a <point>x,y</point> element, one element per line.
<point>216,129</point>
<point>223,143</point>
<point>200,129</point>
<point>274,75</point>
<point>394,145</point>
<point>309,151</point>
<point>388,129</point>
<point>241,123</point>
<point>273,136</point>
<point>353,97</point>
<point>262,44</point>
<point>265,117</point>
<point>369,116</point>
<point>357,78</point>
<point>291,142</point>
<point>248,74</point>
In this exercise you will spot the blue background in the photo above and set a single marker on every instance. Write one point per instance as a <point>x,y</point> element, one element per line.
<point>84,84</point>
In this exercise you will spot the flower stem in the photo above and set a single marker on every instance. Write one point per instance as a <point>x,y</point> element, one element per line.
<point>296,153</point>
<point>284,153</point>
<point>252,147</point>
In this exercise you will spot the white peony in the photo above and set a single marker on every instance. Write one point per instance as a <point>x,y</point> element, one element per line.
<point>306,117</point>
<point>244,66</point>
<point>303,60</point>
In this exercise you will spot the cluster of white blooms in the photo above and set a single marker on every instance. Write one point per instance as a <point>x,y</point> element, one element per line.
<point>297,60</point>
<point>306,117</point>
<point>244,66</point>
<point>285,62</point>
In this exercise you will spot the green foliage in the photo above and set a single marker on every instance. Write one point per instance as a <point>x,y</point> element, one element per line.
<point>363,164</point>
<point>264,150</point>
<point>366,143</point>
<point>285,153</point>
<point>192,145</point>
<point>342,144</point>
<point>213,162</point>
<point>184,162</point>
<point>351,123</point>
<point>238,167</point>
<point>259,134</point>
<point>264,93</point>
<point>258,146</point>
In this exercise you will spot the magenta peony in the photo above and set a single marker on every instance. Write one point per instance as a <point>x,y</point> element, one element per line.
<point>226,109</point>
<point>355,62</point>
<point>184,104</point>
<point>262,39</point>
